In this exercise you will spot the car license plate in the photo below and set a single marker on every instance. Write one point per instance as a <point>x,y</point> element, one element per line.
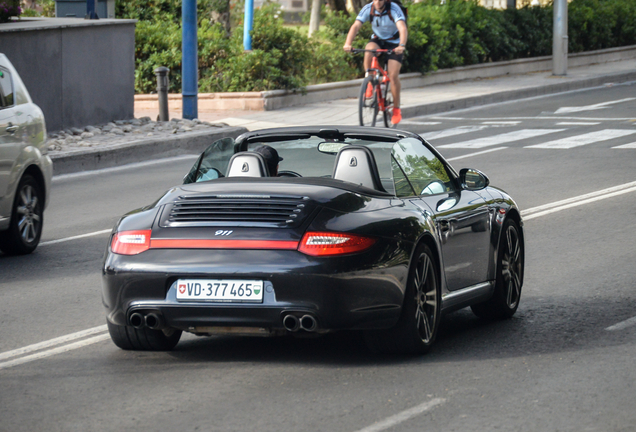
<point>223,290</point>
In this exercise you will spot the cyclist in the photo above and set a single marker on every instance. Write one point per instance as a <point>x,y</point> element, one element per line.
<point>389,32</point>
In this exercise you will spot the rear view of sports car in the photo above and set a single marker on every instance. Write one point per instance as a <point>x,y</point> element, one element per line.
<point>361,229</point>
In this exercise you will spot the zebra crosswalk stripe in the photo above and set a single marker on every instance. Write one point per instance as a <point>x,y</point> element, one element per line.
<point>581,140</point>
<point>452,132</point>
<point>502,138</point>
<point>626,146</point>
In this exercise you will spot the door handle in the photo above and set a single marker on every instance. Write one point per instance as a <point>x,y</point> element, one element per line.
<point>11,129</point>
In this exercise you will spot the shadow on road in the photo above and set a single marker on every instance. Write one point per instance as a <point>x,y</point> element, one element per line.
<point>539,327</point>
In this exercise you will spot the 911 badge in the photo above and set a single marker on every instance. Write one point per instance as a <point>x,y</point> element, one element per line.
<point>223,232</point>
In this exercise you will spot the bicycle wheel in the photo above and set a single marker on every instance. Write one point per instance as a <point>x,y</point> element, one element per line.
<point>388,106</point>
<point>368,106</point>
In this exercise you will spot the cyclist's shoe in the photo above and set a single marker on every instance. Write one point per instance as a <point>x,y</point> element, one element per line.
<point>369,93</point>
<point>397,116</point>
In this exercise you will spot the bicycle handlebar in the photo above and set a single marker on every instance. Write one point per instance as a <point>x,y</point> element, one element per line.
<point>376,51</point>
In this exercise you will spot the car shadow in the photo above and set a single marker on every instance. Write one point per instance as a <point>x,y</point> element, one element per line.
<point>540,326</point>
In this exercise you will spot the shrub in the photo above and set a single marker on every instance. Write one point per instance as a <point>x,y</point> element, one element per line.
<point>456,33</point>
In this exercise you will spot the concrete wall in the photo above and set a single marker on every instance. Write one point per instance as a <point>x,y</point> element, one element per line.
<point>80,72</point>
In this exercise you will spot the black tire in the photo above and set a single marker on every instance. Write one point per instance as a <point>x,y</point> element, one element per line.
<point>145,339</point>
<point>509,280</point>
<point>27,217</point>
<point>417,327</point>
<point>368,107</point>
<point>388,106</point>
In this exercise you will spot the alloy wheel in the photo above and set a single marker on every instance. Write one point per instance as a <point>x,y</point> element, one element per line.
<point>511,267</point>
<point>28,211</point>
<point>425,298</point>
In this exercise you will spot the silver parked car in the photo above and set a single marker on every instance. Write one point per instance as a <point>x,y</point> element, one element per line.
<point>25,167</point>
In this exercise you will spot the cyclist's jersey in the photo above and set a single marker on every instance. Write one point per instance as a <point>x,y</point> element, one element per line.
<point>382,25</point>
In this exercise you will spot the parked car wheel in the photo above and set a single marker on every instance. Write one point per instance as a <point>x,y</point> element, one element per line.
<point>417,328</point>
<point>144,339</point>
<point>505,299</point>
<point>25,229</point>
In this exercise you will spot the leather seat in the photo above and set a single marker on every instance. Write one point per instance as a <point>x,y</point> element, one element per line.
<point>356,164</point>
<point>247,164</point>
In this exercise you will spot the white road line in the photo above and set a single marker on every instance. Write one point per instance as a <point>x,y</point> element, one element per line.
<point>578,123</point>
<point>578,198</point>
<point>54,351</point>
<point>626,146</point>
<point>452,132</point>
<point>476,154</point>
<point>62,240</point>
<point>527,214</point>
<point>622,325</point>
<point>506,122</point>
<point>604,119</point>
<point>576,204</point>
<point>123,167</point>
<point>597,106</point>
<point>403,416</point>
<point>581,140</point>
<point>53,342</point>
<point>415,122</point>
<point>502,138</point>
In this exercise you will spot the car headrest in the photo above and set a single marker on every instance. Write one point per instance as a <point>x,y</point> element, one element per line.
<point>247,164</point>
<point>356,164</point>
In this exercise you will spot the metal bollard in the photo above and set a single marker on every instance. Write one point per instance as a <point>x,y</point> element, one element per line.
<point>162,91</point>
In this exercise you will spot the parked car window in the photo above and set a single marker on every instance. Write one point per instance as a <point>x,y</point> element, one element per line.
<point>6,89</point>
<point>426,174</point>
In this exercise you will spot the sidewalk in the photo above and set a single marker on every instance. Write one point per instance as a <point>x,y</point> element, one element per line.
<point>415,102</point>
<point>431,99</point>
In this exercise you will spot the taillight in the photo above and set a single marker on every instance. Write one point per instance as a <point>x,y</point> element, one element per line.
<point>329,243</point>
<point>131,242</point>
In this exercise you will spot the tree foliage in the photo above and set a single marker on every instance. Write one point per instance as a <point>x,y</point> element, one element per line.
<point>455,33</point>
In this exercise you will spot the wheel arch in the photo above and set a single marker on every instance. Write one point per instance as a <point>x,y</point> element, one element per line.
<point>35,172</point>
<point>428,240</point>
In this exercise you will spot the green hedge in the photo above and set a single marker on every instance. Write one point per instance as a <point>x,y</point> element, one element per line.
<point>457,33</point>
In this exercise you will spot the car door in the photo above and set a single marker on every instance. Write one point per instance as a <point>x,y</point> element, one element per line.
<point>9,139</point>
<point>462,216</point>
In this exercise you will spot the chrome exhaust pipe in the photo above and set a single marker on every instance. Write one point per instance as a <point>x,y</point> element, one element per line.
<point>154,321</point>
<point>291,323</point>
<point>137,320</point>
<point>308,323</point>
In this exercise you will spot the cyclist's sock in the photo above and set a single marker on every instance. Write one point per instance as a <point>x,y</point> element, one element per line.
<point>369,93</point>
<point>397,116</point>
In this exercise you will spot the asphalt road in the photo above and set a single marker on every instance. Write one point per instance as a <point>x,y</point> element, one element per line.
<point>554,367</point>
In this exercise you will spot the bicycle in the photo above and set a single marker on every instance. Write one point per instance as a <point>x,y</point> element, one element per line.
<point>381,98</point>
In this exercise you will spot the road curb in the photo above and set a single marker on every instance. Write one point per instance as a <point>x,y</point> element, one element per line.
<point>508,95</point>
<point>108,156</point>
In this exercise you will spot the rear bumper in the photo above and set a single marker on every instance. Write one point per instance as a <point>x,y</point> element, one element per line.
<point>341,293</point>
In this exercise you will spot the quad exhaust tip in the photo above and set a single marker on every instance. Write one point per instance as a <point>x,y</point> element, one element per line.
<point>307,322</point>
<point>291,323</point>
<point>137,320</point>
<point>152,320</point>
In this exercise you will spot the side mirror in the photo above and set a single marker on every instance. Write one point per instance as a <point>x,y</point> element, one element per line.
<point>472,179</point>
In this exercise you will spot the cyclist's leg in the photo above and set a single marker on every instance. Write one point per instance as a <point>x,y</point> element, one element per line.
<point>394,75</point>
<point>369,56</point>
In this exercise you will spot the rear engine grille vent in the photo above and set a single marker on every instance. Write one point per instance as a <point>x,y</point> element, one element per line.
<point>239,210</point>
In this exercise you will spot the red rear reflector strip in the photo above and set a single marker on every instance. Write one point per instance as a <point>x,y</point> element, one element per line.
<point>329,243</point>
<point>222,244</point>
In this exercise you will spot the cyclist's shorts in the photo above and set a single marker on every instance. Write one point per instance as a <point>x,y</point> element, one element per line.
<point>387,45</point>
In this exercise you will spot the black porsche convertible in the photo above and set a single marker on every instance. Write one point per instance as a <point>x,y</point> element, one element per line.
<point>361,229</point>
